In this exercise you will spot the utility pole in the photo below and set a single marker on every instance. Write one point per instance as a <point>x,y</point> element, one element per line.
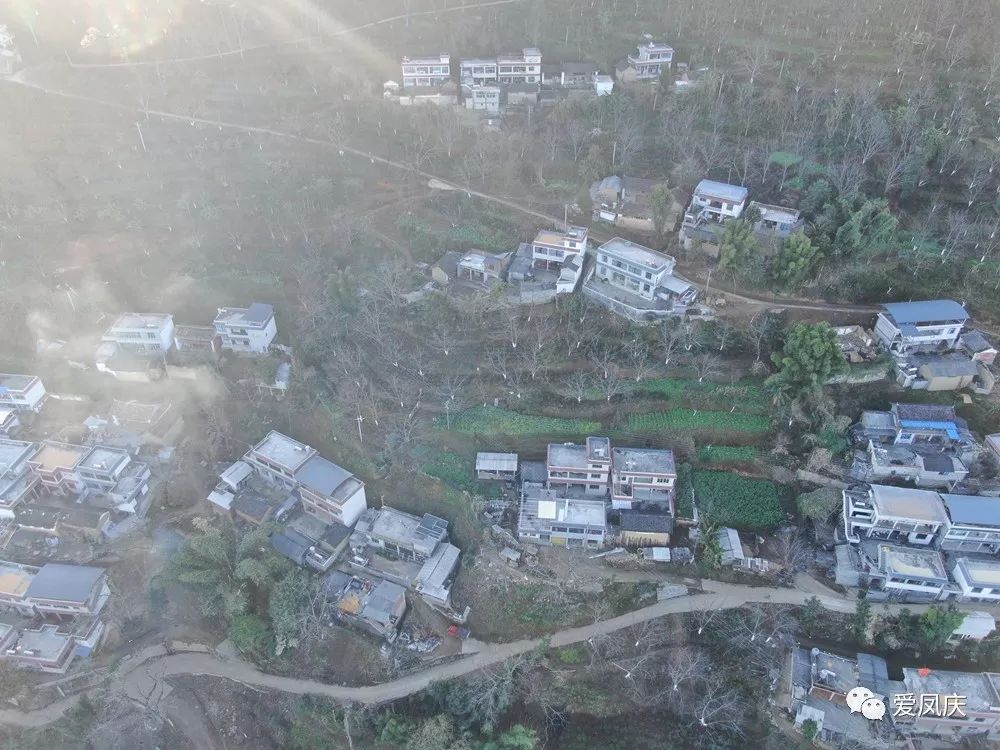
<point>141,139</point>
<point>359,420</point>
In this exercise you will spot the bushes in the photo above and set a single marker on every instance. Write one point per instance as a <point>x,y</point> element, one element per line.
<point>492,420</point>
<point>459,472</point>
<point>696,419</point>
<point>727,453</point>
<point>728,499</point>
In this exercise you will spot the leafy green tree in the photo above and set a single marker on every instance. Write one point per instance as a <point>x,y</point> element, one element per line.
<point>817,195</point>
<point>316,722</point>
<point>862,618</point>
<point>594,165</point>
<point>819,504</point>
<point>230,572</point>
<point>811,355</point>
<point>252,637</point>
<point>812,613</point>
<point>289,608</point>
<point>797,262</point>
<point>660,201</point>
<point>396,731</point>
<point>935,626</point>
<point>736,246</point>
<point>869,227</point>
<point>809,731</point>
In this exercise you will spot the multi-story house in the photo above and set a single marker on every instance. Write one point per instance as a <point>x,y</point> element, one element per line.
<point>776,221</point>
<point>978,579</point>
<point>17,482</point>
<point>523,68</point>
<point>934,426</point>
<point>426,70</point>
<point>906,572</point>
<point>583,468</point>
<point>141,333</point>
<point>893,514</point>
<point>112,472</point>
<point>246,329</point>
<point>399,534</point>
<point>484,97</point>
<point>547,516</point>
<point>56,466</point>
<point>328,491</point>
<point>649,62</point>
<point>53,589</point>
<point>642,477</point>
<point>973,524</point>
<point>552,248</point>
<point>22,392</point>
<point>477,71</point>
<point>932,326</point>
<point>716,201</point>
<point>979,713</point>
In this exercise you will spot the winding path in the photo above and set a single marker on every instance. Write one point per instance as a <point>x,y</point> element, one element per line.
<point>141,677</point>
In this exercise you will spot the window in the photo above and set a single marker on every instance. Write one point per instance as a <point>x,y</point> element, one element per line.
<point>645,287</point>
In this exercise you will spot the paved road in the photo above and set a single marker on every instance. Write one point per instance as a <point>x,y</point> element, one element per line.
<point>142,676</point>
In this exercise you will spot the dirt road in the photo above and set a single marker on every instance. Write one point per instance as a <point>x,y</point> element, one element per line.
<point>142,677</point>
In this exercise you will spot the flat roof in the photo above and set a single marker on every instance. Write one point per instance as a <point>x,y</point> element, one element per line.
<point>195,333</point>
<point>974,510</point>
<point>838,673</point>
<point>137,412</point>
<point>979,688</point>
<point>142,320</point>
<point>236,473</point>
<point>382,601</point>
<point>644,460</point>
<point>284,451</point>
<point>912,562</point>
<point>908,503</point>
<point>47,642</point>
<point>496,461</point>
<point>980,571</point>
<point>16,382</point>
<point>926,311</point>
<point>569,455</point>
<point>547,506</point>
<point>722,190</point>
<point>636,253</point>
<point>65,583</point>
<point>771,212</point>
<point>52,455</point>
<point>15,578</point>
<point>321,475</point>
<point>254,316</point>
<point>653,523</point>
<point>13,452</point>
<point>104,458</point>
<point>422,533</point>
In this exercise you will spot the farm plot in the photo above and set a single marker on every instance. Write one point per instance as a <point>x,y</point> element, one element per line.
<point>697,419</point>
<point>728,499</point>
<point>491,420</point>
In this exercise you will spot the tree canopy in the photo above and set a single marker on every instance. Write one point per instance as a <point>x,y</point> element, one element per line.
<point>811,355</point>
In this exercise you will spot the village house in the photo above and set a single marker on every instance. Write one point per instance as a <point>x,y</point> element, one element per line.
<point>441,95</point>
<point>10,422</point>
<point>638,283</point>
<point>373,605</point>
<point>651,60</point>
<point>626,202</point>
<point>978,579</point>
<point>934,426</point>
<point>426,70</point>
<point>134,425</point>
<point>925,468</point>
<point>246,329</point>
<point>17,482</point>
<point>978,347</point>
<point>496,466</point>
<point>776,221</point>
<point>904,573</point>
<point>482,97</point>
<point>22,392</point>
<point>893,513</point>
<point>640,529</point>
<point>975,626</point>
<point>980,714</point>
<point>557,258</point>
<point>523,68</point>
<point>931,326</point>
<point>641,478</point>
<point>584,468</point>
<point>138,333</point>
<point>548,517</point>
<point>715,201</point>
<point>478,71</point>
<point>193,339</point>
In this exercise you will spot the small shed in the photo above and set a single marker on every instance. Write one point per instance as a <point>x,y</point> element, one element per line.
<point>510,556</point>
<point>496,465</point>
<point>645,529</point>
<point>975,627</point>
<point>730,545</point>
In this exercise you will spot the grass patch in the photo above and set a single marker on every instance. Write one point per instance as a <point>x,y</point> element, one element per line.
<point>729,499</point>
<point>492,420</point>
<point>747,395</point>
<point>727,453</point>
<point>459,472</point>
<point>698,419</point>
<point>683,498</point>
<point>625,597</point>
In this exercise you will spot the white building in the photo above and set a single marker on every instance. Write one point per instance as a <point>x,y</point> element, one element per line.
<point>17,482</point>
<point>426,70</point>
<point>478,71</point>
<point>140,333</point>
<point>483,97</point>
<point>973,524</point>
<point>975,627</point>
<point>649,62</point>
<point>585,468</point>
<point>246,329</point>
<point>523,68</point>
<point>603,84</point>
<point>776,221</point>
<point>548,517</point>
<point>552,248</point>
<point>642,477</point>
<point>893,513</point>
<point>717,201</point>
<point>978,579</point>
<point>22,392</point>
<point>931,326</point>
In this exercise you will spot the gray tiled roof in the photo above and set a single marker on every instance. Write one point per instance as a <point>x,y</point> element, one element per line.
<point>69,583</point>
<point>926,311</point>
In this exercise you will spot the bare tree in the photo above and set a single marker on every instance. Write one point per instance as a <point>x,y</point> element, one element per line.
<point>579,384</point>
<point>604,359</point>
<point>535,359</point>
<point>671,338</point>
<point>705,365</point>
<point>717,706</point>
<point>611,384</point>
<point>499,362</point>
<point>685,664</point>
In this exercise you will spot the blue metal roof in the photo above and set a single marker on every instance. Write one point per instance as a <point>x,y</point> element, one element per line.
<point>723,190</point>
<point>921,424</point>
<point>926,311</point>
<point>973,509</point>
